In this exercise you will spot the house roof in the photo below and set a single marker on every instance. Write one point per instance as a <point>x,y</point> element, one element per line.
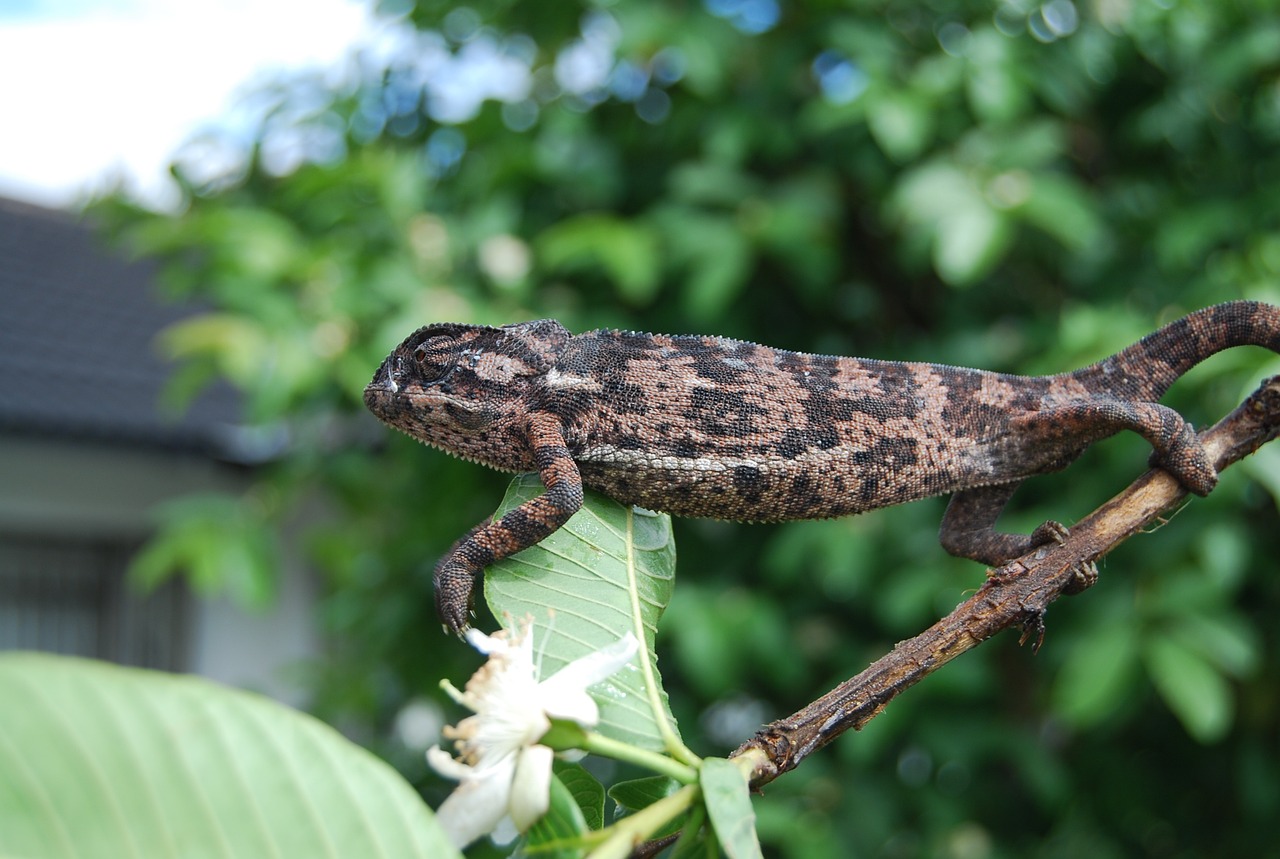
<point>78,324</point>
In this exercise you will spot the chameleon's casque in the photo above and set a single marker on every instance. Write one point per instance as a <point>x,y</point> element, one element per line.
<point>711,427</point>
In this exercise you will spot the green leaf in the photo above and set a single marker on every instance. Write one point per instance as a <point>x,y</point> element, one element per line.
<point>718,269</point>
<point>586,791</point>
<point>1227,641</point>
<point>222,544</point>
<point>627,252</point>
<point>711,252</point>
<point>902,124</point>
<point>1194,690</point>
<point>641,793</point>
<point>1061,207</point>
<point>102,761</point>
<point>970,243</point>
<point>608,571</point>
<point>1264,467</point>
<point>728,799</point>
<point>558,833</point>
<point>1097,674</point>
<point>994,87</point>
<point>239,347</point>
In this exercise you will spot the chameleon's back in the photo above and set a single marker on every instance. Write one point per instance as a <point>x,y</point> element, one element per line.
<point>705,426</point>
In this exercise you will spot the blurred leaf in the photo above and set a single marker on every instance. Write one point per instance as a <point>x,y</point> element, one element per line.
<point>1097,674</point>
<point>236,344</point>
<point>728,799</point>
<point>995,86</point>
<point>103,761</point>
<point>219,544</point>
<point>607,572</point>
<point>1194,690</point>
<point>1264,467</point>
<point>257,243</point>
<point>627,252</point>
<point>718,269</point>
<point>1061,208</point>
<point>970,243</point>
<point>711,183</point>
<point>1225,640</point>
<point>969,237</point>
<point>902,124</point>
<point>933,191</point>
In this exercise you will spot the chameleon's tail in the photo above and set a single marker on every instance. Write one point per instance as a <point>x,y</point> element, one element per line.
<point>1145,370</point>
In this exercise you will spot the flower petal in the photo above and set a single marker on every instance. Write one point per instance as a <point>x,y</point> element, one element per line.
<point>563,694</point>
<point>531,786</point>
<point>478,804</point>
<point>444,763</point>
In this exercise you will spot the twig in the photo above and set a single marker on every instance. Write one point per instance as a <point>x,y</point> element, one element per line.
<point>1016,594</point>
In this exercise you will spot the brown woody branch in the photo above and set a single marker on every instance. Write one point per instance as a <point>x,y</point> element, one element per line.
<point>1016,594</point>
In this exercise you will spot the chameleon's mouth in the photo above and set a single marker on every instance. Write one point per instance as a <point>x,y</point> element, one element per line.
<point>382,389</point>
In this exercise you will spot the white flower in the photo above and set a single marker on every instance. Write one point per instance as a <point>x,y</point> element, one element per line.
<point>504,775</point>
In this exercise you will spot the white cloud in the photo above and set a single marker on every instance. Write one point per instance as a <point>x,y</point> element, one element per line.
<point>116,87</point>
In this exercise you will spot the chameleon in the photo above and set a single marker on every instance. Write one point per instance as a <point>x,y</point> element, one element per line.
<point>711,427</point>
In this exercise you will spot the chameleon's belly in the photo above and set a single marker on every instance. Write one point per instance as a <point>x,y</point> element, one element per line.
<point>813,485</point>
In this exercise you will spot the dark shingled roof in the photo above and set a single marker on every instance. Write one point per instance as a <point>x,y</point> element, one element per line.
<point>77,343</point>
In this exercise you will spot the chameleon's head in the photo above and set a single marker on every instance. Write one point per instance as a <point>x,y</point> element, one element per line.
<point>461,387</point>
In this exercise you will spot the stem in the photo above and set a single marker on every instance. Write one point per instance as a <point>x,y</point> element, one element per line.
<point>601,745</point>
<point>630,831</point>
<point>653,688</point>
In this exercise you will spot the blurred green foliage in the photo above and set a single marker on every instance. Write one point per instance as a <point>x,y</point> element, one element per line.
<point>1015,186</point>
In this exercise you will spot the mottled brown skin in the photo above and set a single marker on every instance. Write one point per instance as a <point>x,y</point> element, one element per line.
<point>717,428</point>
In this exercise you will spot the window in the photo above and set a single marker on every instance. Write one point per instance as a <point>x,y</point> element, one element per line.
<point>71,597</point>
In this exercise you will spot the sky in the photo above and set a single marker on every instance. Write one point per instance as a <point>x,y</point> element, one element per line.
<point>98,89</point>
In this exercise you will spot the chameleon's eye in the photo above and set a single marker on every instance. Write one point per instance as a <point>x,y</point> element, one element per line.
<point>434,358</point>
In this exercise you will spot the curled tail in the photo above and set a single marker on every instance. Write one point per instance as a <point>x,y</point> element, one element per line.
<point>1145,370</point>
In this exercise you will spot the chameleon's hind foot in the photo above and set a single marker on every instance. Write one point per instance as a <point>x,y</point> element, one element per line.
<point>1186,459</point>
<point>1083,577</point>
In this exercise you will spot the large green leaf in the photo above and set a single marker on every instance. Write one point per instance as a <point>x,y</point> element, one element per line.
<point>102,761</point>
<point>607,572</point>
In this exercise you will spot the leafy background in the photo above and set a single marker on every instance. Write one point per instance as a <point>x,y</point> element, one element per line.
<point>1015,186</point>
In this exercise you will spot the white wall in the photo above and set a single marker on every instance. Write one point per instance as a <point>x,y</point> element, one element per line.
<point>53,489</point>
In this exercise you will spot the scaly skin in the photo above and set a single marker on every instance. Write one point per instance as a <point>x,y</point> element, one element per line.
<point>718,428</point>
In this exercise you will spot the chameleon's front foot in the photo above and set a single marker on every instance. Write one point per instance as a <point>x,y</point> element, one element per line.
<point>1048,533</point>
<point>455,584</point>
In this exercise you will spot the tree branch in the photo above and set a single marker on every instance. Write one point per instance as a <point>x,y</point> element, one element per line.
<point>1016,594</point>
